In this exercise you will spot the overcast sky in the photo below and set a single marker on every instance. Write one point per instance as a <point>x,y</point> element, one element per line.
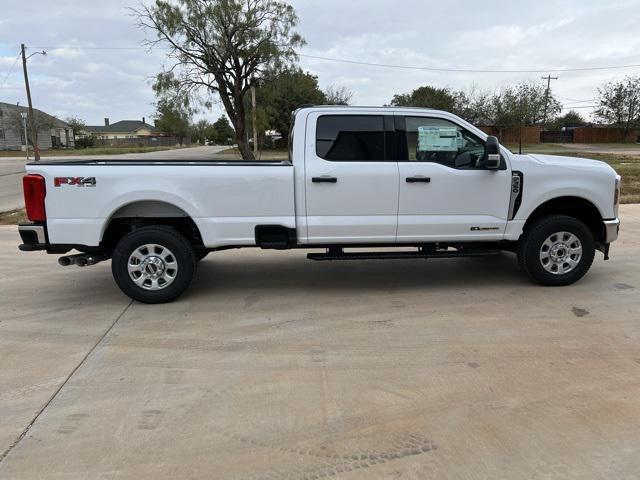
<point>94,84</point>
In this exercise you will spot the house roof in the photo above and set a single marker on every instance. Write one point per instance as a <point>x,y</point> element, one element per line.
<point>123,126</point>
<point>57,123</point>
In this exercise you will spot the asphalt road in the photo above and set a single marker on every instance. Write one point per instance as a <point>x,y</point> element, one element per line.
<point>275,367</point>
<point>12,169</point>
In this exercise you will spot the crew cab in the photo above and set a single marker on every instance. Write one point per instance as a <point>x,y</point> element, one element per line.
<point>423,180</point>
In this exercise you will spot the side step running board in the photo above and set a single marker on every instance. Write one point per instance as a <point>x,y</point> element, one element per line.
<point>338,255</point>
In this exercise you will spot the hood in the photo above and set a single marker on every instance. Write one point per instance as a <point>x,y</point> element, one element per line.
<point>560,161</point>
<point>571,163</point>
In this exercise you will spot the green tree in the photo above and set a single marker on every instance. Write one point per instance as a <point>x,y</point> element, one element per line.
<point>523,104</point>
<point>473,105</point>
<point>82,138</point>
<point>427,97</point>
<point>569,119</point>
<point>618,104</point>
<point>201,131</point>
<point>281,94</point>
<point>78,125</point>
<point>222,47</point>
<point>173,118</point>
<point>222,132</point>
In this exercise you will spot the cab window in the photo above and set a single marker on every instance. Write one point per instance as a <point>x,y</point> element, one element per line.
<point>350,138</point>
<point>440,141</point>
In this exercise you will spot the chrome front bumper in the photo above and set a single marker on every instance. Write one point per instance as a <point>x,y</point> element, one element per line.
<point>611,230</point>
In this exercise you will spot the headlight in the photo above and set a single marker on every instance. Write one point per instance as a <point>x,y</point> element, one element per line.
<point>616,196</point>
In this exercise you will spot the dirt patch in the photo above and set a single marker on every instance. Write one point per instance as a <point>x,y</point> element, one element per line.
<point>13,217</point>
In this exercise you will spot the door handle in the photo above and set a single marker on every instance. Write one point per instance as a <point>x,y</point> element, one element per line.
<point>324,180</point>
<point>418,180</point>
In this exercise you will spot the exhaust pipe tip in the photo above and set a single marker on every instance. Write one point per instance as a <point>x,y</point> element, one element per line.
<point>64,261</point>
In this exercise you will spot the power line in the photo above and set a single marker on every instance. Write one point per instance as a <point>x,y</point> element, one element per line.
<point>9,72</point>
<point>579,101</point>
<point>574,99</point>
<point>469,70</point>
<point>73,47</point>
<point>385,65</point>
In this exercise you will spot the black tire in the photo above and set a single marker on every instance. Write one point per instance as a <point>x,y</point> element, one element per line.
<point>181,254</point>
<point>531,247</point>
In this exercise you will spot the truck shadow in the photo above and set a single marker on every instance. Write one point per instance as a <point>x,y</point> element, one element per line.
<point>291,271</point>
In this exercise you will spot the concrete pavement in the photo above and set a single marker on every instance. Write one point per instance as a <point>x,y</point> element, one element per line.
<point>274,367</point>
<point>12,169</point>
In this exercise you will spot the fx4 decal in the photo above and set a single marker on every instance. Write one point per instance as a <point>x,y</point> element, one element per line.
<point>78,181</point>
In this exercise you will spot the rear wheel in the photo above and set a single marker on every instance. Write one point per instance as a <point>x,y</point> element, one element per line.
<point>153,264</point>
<point>556,250</point>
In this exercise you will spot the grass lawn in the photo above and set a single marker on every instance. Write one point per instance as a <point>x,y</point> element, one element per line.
<point>88,151</point>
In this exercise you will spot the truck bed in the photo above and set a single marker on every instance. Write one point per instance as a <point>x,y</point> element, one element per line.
<point>225,199</point>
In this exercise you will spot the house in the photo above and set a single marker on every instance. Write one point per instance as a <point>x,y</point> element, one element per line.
<point>52,132</point>
<point>123,129</point>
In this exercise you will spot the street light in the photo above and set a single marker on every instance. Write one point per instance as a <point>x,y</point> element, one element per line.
<point>26,139</point>
<point>34,131</point>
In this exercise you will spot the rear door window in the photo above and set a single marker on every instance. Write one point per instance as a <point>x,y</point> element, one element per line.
<point>350,138</point>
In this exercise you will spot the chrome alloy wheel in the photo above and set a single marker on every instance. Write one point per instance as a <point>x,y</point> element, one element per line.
<point>152,267</point>
<point>560,253</point>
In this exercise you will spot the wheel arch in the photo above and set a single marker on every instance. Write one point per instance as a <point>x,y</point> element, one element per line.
<point>140,213</point>
<point>572,206</point>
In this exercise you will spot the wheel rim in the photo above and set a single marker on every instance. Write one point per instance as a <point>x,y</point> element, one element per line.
<point>561,253</point>
<point>152,267</point>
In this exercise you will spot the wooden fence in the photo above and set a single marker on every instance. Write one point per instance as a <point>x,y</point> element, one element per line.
<point>604,135</point>
<point>511,135</point>
<point>535,134</point>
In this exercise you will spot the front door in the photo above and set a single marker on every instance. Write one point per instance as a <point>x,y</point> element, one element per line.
<point>351,178</point>
<point>445,192</point>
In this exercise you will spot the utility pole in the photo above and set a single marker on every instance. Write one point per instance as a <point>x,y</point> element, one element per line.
<point>253,114</point>
<point>548,78</point>
<point>26,138</point>
<point>34,131</point>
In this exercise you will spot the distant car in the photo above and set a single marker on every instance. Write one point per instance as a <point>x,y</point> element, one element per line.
<point>356,177</point>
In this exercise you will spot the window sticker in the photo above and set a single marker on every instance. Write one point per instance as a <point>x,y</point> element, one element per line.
<point>438,139</point>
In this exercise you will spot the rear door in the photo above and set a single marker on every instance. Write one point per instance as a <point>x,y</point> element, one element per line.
<point>351,177</point>
<point>445,192</point>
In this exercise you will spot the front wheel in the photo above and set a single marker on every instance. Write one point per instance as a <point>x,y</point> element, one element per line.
<point>556,250</point>
<point>153,264</point>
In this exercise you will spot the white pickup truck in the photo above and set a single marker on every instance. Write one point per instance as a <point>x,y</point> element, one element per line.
<point>356,177</point>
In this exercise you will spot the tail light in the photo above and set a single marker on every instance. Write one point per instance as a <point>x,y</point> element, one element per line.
<point>34,193</point>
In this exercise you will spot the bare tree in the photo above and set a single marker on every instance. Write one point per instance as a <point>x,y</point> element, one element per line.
<point>338,95</point>
<point>42,123</point>
<point>222,47</point>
